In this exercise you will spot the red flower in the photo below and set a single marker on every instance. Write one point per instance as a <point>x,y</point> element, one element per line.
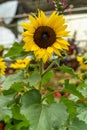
<point>57,95</point>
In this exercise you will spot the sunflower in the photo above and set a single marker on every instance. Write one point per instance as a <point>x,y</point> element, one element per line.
<point>44,35</point>
<point>19,64</point>
<point>2,67</point>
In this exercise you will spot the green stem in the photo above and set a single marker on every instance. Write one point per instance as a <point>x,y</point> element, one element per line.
<point>49,67</point>
<point>41,71</point>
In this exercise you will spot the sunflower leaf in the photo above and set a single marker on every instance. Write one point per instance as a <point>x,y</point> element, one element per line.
<point>82,113</point>
<point>4,110</point>
<point>78,125</point>
<point>72,89</point>
<point>47,77</point>
<point>68,70</point>
<point>11,79</point>
<point>14,50</point>
<point>15,88</point>
<point>42,117</point>
<point>34,78</point>
<point>70,106</point>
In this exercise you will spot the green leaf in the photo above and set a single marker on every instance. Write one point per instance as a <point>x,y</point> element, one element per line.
<point>16,112</point>
<point>37,117</point>
<point>57,115</point>
<point>82,85</point>
<point>14,89</point>
<point>70,106</point>
<point>85,81</point>
<point>9,127</point>
<point>4,100</point>
<point>14,50</point>
<point>34,78</point>
<point>72,89</point>
<point>82,113</point>
<point>68,70</point>
<point>83,91</point>
<point>82,88</point>
<point>20,118</point>
<point>23,125</point>
<point>41,116</point>
<point>11,79</point>
<point>4,110</point>
<point>78,125</point>
<point>9,92</point>
<point>49,97</point>
<point>47,77</point>
<point>62,128</point>
<point>17,121</point>
<point>31,97</point>
<point>18,86</point>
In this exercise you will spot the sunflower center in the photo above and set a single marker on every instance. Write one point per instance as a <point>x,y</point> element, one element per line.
<point>44,36</point>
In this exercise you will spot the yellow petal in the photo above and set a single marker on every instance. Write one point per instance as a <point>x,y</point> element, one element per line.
<point>34,47</point>
<point>33,20</point>
<point>51,20</point>
<point>26,25</point>
<point>57,51</point>
<point>27,47</point>
<point>57,46</point>
<point>63,33</point>
<point>42,18</point>
<point>62,27</point>
<point>45,57</point>
<point>62,42</point>
<point>50,49</point>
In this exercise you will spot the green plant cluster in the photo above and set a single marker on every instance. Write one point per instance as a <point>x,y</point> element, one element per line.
<point>26,104</point>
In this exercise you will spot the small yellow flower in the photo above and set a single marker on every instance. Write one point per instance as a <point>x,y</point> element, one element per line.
<point>84,66</point>
<point>80,59</point>
<point>2,66</point>
<point>19,64</point>
<point>44,35</point>
<point>82,63</point>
